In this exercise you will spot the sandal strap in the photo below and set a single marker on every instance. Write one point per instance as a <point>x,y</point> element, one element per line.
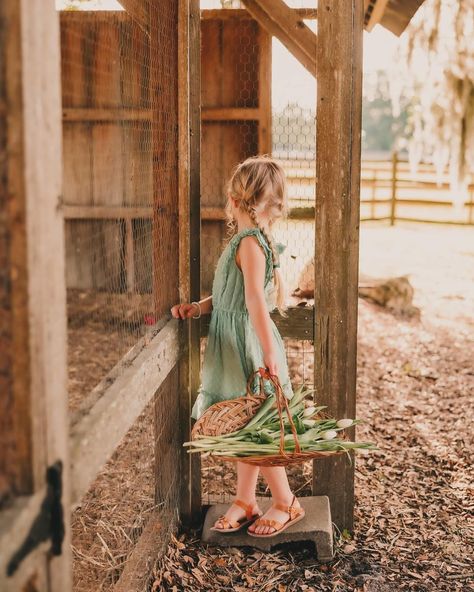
<point>226,522</point>
<point>276,524</point>
<point>292,511</point>
<point>247,507</point>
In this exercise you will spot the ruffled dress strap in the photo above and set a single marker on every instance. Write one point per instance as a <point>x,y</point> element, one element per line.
<point>235,241</point>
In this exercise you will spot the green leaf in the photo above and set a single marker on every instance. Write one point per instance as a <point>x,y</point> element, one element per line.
<point>345,534</point>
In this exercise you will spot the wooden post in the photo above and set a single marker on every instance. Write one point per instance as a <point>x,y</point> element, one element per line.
<point>189,59</point>
<point>339,100</point>
<point>393,196</point>
<point>265,93</point>
<point>129,254</point>
<point>374,186</point>
<point>470,207</point>
<point>33,344</point>
<point>163,27</point>
<point>284,23</point>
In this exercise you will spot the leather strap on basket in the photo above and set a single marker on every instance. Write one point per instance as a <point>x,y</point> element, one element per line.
<point>249,392</point>
<point>281,401</point>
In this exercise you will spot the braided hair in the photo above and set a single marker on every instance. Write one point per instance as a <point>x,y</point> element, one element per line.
<point>259,186</point>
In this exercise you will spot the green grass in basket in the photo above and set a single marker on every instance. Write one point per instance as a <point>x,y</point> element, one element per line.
<point>261,435</point>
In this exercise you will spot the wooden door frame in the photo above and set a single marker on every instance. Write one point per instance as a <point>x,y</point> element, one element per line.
<point>189,195</point>
<point>34,312</point>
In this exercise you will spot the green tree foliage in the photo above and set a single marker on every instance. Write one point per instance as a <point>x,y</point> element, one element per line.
<point>381,130</point>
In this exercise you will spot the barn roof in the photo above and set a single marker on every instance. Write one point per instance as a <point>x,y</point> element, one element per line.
<point>394,15</point>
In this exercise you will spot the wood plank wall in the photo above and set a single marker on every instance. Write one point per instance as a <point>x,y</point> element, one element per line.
<point>107,146</point>
<point>236,114</point>
<point>107,138</point>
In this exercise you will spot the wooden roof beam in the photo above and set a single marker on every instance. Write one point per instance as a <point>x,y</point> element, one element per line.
<point>242,13</point>
<point>373,12</point>
<point>281,21</point>
<point>394,15</point>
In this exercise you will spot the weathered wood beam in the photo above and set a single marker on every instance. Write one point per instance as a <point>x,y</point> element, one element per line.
<point>33,343</point>
<point>279,20</point>
<point>103,114</point>
<point>265,92</point>
<point>106,212</point>
<point>242,13</point>
<point>398,14</point>
<point>338,139</point>
<point>141,561</point>
<point>131,213</point>
<point>189,222</point>
<point>97,433</point>
<point>230,114</point>
<point>298,325</point>
<point>374,10</point>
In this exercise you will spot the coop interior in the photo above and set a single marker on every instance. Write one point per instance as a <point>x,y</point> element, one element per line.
<point>118,283</point>
<point>119,139</point>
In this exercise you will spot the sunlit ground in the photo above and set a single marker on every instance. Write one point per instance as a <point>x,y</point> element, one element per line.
<point>439,262</point>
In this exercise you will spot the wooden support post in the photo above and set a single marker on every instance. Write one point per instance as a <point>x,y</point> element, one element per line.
<point>339,101</point>
<point>373,195</point>
<point>189,57</point>
<point>265,93</point>
<point>33,344</point>
<point>163,27</point>
<point>129,254</point>
<point>393,196</point>
<point>470,207</point>
<point>281,21</point>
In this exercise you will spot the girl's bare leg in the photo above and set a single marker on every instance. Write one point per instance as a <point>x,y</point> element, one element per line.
<point>277,480</point>
<point>247,476</point>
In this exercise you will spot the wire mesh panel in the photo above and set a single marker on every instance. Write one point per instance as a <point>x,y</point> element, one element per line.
<point>234,51</point>
<point>251,106</point>
<point>120,137</point>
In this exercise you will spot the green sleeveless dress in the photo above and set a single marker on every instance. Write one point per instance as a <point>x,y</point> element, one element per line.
<point>233,350</point>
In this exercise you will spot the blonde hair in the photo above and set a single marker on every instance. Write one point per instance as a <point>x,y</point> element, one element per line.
<point>259,185</point>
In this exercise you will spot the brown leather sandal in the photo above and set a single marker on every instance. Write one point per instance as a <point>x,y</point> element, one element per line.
<point>296,514</point>
<point>234,525</point>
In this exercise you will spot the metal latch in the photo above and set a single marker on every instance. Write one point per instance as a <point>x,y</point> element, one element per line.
<point>49,524</point>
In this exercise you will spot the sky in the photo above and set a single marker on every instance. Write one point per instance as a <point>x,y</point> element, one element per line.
<point>290,81</point>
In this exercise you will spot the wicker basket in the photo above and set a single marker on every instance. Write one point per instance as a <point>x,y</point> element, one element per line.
<point>229,416</point>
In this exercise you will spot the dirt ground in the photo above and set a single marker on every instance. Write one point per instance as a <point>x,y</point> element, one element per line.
<point>413,517</point>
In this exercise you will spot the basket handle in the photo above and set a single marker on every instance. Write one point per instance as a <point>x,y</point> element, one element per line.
<point>281,401</point>
<point>249,392</point>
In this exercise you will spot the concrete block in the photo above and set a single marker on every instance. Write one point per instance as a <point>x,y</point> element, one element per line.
<point>316,528</point>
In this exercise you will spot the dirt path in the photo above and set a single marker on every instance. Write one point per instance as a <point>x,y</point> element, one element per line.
<point>414,497</point>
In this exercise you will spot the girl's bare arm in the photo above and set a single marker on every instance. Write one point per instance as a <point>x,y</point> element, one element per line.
<point>252,263</point>
<point>206,305</point>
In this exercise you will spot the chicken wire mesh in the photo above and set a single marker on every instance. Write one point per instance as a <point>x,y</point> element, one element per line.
<point>250,106</point>
<point>119,88</point>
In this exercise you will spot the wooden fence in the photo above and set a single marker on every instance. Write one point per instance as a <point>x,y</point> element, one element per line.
<point>391,191</point>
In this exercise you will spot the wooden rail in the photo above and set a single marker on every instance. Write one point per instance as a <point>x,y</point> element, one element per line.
<point>96,434</point>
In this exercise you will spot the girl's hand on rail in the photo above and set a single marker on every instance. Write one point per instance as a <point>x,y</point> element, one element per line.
<point>184,310</point>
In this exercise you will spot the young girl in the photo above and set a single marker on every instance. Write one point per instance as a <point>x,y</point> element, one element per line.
<point>242,336</point>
